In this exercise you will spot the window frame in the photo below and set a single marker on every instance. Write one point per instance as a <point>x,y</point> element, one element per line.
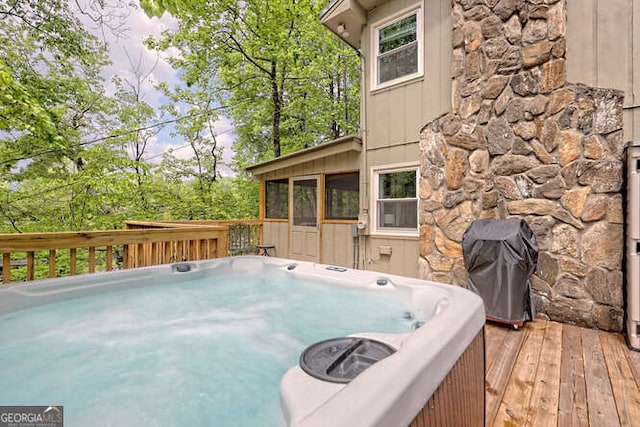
<point>295,209</point>
<point>326,204</point>
<point>286,200</point>
<point>375,187</point>
<point>380,25</point>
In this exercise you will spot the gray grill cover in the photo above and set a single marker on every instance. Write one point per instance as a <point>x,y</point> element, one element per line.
<point>501,256</point>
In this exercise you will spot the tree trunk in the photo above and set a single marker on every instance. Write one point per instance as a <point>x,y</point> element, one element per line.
<point>277,110</point>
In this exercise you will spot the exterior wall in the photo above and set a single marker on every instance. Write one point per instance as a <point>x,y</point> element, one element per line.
<point>401,260</point>
<point>522,142</point>
<point>603,51</point>
<point>391,123</point>
<point>277,233</point>
<point>397,113</point>
<point>336,243</point>
<point>404,249</point>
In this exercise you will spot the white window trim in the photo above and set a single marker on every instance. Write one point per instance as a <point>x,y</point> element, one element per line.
<point>373,205</point>
<point>419,37</point>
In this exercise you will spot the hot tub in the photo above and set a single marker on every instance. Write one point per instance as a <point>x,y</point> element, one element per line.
<point>435,372</point>
<point>436,376</point>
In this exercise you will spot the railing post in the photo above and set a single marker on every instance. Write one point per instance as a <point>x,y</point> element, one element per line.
<point>109,258</point>
<point>52,263</point>
<point>72,261</point>
<point>6,267</point>
<point>125,256</point>
<point>92,259</point>
<point>30,265</point>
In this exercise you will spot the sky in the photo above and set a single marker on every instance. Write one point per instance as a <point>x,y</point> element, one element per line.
<point>129,47</point>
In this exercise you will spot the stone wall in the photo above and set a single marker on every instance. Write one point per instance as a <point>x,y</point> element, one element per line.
<point>522,142</point>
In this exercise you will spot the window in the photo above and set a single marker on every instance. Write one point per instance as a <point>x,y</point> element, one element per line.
<point>341,196</point>
<point>398,49</point>
<point>305,202</point>
<point>396,200</point>
<point>277,199</point>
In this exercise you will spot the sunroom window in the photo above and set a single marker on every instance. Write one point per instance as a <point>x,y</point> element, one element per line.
<point>277,199</point>
<point>397,200</point>
<point>342,196</point>
<point>398,47</point>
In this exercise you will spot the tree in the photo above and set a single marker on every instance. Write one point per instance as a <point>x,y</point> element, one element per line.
<point>263,60</point>
<point>52,101</point>
<point>49,73</point>
<point>134,122</point>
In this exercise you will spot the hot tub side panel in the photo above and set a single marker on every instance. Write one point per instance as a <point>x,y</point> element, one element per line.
<point>460,399</point>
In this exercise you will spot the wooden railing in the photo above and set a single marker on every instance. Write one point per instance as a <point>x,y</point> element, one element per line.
<point>244,234</point>
<point>130,248</point>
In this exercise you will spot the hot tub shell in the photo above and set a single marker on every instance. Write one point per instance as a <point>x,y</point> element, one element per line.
<point>436,376</point>
<point>436,373</point>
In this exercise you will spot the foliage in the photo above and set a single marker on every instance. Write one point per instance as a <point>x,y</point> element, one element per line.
<point>49,75</point>
<point>231,198</point>
<point>262,60</point>
<point>72,157</point>
<point>52,100</point>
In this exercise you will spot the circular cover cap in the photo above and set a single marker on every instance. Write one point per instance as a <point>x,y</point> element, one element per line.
<point>340,360</point>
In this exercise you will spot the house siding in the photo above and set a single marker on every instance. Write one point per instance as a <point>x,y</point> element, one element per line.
<point>392,119</point>
<point>603,50</point>
<point>397,113</point>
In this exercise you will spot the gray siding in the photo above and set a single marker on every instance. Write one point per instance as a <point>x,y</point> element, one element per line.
<point>337,245</point>
<point>277,233</point>
<point>603,50</point>
<point>397,113</point>
<point>393,118</point>
<point>403,259</point>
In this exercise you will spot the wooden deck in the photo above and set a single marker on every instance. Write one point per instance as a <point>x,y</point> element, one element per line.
<point>553,374</point>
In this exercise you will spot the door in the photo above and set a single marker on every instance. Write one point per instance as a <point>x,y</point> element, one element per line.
<point>304,221</point>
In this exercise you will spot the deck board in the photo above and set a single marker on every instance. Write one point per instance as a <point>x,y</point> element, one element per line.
<point>625,388</point>
<point>494,339</point>
<point>634,362</point>
<point>600,400</point>
<point>555,374</point>
<point>572,404</point>
<point>546,388</point>
<point>514,407</point>
<point>497,376</point>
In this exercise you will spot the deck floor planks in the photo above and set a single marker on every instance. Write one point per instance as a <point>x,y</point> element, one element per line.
<point>494,338</point>
<point>600,399</point>
<point>598,384</point>
<point>515,403</point>
<point>504,358</point>
<point>546,388</point>
<point>625,388</point>
<point>634,362</point>
<point>572,403</point>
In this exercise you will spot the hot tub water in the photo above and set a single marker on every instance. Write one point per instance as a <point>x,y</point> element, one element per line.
<point>204,352</point>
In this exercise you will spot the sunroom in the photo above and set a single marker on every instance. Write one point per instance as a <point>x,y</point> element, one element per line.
<point>310,200</point>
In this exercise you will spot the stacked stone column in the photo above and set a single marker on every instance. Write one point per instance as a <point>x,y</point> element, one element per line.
<point>520,141</point>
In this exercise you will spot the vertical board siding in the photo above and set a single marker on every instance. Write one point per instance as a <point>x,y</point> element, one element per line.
<point>603,50</point>
<point>396,114</point>
<point>337,245</point>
